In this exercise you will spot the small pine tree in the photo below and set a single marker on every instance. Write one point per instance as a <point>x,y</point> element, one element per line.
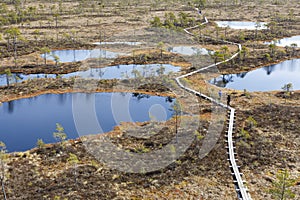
<point>161,47</point>
<point>287,87</point>
<point>60,135</point>
<point>56,59</point>
<point>40,143</point>
<point>45,51</point>
<point>156,22</point>
<point>245,134</point>
<point>281,186</point>
<point>251,122</point>
<point>176,112</point>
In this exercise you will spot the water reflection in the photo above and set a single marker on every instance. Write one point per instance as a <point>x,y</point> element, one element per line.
<point>13,78</point>
<point>10,106</point>
<point>269,69</point>
<point>140,96</point>
<point>267,78</point>
<point>24,121</point>
<point>242,75</point>
<point>74,55</point>
<point>19,77</point>
<point>126,71</point>
<point>112,43</point>
<point>291,41</point>
<point>242,25</point>
<point>189,50</point>
<point>222,80</point>
<point>113,72</point>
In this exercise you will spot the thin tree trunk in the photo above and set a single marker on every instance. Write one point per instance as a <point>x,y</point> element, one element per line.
<point>3,189</point>
<point>15,51</point>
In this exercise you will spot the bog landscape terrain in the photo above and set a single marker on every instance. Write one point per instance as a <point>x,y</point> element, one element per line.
<point>153,99</point>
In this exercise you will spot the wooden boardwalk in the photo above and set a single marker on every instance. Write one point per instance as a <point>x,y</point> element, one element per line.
<point>242,191</point>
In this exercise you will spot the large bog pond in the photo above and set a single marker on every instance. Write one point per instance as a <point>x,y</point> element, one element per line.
<point>242,25</point>
<point>268,78</point>
<point>24,121</point>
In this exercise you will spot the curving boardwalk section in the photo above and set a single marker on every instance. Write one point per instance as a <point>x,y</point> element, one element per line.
<point>242,191</point>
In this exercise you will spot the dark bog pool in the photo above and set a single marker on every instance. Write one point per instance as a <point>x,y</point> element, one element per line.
<point>24,121</point>
<point>269,78</point>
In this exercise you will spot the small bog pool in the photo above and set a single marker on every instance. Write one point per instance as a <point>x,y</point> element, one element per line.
<point>242,25</point>
<point>290,41</point>
<point>112,43</point>
<point>24,121</point>
<point>19,77</point>
<point>189,50</point>
<point>269,78</point>
<point>75,55</point>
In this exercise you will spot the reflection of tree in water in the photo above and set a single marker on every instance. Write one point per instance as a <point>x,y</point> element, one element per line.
<point>170,49</point>
<point>269,69</point>
<point>140,96</point>
<point>62,99</point>
<point>3,78</point>
<point>223,80</point>
<point>88,96</point>
<point>288,66</point>
<point>91,73</point>
<point>241,75</point>
<point>169,99</point>
<point>101,73</point>
<point>19,76</point>
<point>10,106</point>
<point>197,51</point>
<point>226,78</point>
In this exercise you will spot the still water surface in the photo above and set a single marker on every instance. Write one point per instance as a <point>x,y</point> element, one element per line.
<point>24,121</point>
<point>287,41</point>
<point>112,72</point>
<point>74,55</point>
<point>242,25</point>
<point>268,78</point>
